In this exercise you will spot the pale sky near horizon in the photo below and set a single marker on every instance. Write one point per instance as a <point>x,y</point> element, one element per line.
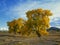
<point>13,9</point>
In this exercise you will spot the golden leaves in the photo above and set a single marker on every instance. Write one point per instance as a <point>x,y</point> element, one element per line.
<point>43,32</point>
<point>38,20</point>
<point>48,12</point>
<point>16,25</point>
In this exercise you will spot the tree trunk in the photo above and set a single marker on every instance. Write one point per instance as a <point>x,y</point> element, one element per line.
<point>39,35</point>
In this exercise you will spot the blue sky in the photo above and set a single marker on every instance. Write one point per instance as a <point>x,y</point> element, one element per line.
<point>13,9</point>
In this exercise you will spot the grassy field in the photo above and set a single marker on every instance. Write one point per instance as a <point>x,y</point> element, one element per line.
<point>11,39</point>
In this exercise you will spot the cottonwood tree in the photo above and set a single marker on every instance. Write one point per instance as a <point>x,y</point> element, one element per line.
<point>38,20</point>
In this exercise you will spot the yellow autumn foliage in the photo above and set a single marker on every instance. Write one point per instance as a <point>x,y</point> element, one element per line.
<point>44,32</point>
<point>37,20</point>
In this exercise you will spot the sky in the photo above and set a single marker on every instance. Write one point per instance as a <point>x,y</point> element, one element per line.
<point>14,9</point>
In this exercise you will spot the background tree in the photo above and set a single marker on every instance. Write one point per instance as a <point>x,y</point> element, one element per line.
<point>20,25</point>
<point>12,26</point>
<point>16,26</point>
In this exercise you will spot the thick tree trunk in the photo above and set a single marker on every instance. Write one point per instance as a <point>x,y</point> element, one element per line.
<point>39,35</point>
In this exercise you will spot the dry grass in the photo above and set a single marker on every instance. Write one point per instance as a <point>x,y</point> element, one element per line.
<point>8,39</point>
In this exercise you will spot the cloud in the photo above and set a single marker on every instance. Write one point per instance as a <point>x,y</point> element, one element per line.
<point>3,29</point>
<point>55,22</point>
<point>20,9</point>
<point>53,5</point>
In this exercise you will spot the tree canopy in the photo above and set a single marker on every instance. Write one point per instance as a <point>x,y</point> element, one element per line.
<point>37,20</point>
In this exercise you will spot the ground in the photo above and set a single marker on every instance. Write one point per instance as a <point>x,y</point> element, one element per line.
<point>8,39</point>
